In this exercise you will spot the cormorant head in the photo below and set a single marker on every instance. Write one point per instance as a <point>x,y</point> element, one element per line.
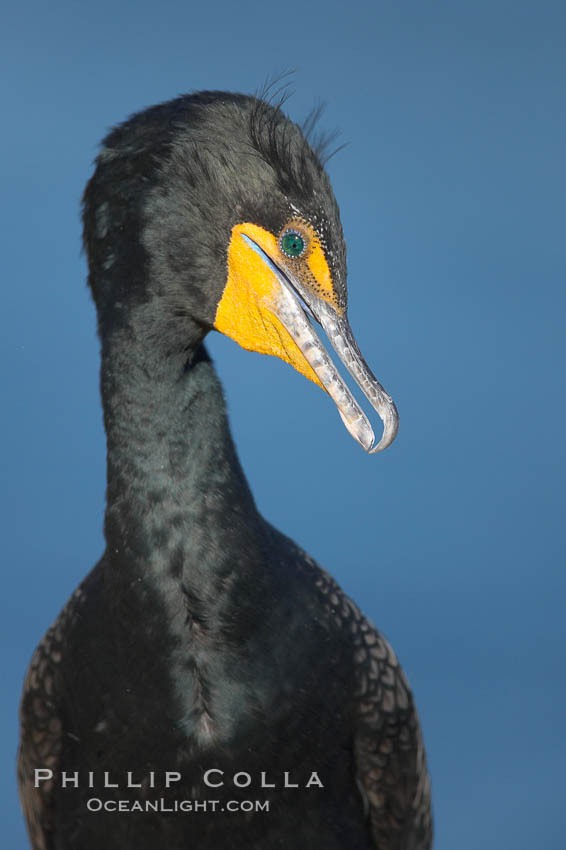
<point>214,210</point>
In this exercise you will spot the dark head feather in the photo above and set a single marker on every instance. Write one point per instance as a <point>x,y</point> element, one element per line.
<point>173,180</point>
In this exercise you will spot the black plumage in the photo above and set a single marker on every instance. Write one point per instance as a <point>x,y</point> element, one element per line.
<point>204,638</point>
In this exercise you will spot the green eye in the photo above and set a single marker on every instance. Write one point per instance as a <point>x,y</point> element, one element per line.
<point>292,243</point>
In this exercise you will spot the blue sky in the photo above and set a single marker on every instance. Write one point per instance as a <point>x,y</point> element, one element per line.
<point>452,192</point>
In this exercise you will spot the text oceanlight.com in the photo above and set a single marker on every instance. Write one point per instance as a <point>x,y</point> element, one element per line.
<point>95,804</point>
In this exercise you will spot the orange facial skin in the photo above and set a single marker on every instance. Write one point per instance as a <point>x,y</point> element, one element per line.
<point>311,268</point>
<point>245,311</point>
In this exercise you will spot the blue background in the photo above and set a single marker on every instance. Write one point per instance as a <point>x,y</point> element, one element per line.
<point>452,192</point>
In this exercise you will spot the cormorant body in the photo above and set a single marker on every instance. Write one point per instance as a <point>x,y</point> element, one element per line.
<point>204,639</point>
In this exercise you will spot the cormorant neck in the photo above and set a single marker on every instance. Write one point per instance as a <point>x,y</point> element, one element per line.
<point>174,479</point>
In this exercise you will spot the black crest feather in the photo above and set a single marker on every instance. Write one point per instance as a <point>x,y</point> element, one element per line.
<point>281,143</point>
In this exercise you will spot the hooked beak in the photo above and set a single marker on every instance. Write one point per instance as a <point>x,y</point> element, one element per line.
<point>290,306</point>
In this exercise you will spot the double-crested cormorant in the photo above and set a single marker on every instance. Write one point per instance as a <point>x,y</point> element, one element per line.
<point>206,663</point>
